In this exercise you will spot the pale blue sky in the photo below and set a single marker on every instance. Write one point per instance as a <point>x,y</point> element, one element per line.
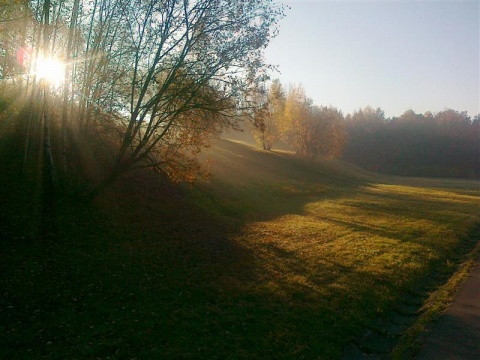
<point>396,55</point>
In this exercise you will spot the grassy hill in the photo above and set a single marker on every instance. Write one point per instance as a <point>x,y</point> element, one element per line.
<point>275,257</point>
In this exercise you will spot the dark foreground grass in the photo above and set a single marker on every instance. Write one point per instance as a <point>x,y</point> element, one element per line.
<point>274,258</point>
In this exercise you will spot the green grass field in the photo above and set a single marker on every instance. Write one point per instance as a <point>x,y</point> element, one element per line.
<point>274,258</point>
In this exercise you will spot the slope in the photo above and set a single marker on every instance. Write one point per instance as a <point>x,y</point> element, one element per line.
<point>274,257</point>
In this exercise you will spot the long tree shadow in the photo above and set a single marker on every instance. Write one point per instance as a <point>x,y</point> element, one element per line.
<point>152,270</point>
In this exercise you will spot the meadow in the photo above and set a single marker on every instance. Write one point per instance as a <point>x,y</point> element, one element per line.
<point>275,257</point>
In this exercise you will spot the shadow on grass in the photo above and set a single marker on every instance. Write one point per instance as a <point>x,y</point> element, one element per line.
<point>156,271</point>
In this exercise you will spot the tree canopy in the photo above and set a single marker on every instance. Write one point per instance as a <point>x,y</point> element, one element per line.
<point>152,78</point>
<point>292,117</point>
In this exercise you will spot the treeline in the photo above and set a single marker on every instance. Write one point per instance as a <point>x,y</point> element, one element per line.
<point>289,116</point>
<point>445,144</point>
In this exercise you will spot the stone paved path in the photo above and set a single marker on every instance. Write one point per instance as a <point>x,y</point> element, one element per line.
<point>456,335</point>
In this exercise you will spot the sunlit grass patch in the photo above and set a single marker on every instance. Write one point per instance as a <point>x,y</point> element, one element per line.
<point>289,260</point>
<point>358,245</point>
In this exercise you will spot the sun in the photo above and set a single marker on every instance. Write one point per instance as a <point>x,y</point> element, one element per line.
<point>50,69</point>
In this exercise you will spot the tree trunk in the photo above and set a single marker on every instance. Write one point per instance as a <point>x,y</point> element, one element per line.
<point>66,87</point>
<point>51,173</point>
<point>118,169</point>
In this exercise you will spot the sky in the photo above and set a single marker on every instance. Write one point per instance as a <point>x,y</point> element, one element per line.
<point>422,55</point>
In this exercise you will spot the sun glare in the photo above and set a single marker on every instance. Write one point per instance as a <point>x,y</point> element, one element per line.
<point>50,70</point>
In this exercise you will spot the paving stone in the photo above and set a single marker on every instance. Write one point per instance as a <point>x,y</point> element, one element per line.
<point>406,309</point>
<point>401,319</point>
<point>353,352</point>
<point>389,328</point>
<point>375,343</point>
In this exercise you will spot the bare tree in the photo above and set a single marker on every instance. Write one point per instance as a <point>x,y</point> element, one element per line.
<point>269,114</point>
<point>186,67</point>
<point>150,80</point>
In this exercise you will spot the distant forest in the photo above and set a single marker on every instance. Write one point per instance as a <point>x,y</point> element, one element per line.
<point>443,144</point>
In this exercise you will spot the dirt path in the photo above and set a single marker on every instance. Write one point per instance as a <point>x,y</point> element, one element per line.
<point>456,335</point>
